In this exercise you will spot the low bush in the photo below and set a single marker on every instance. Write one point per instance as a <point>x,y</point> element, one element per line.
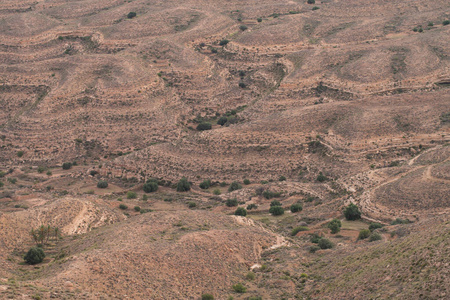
<point>363,234</point>
<point>282,178</point>
<point>314,248</point>
<point>123,206</point>
<point>41,169</point>
<point>34,256</point>
<point>131,15</point>
<point>137,208</point>
<point>325,243</point>
<point>374,226</point>
<point>192,204</point>
<point>222,121</point>
<point>150,187</point>
<point>321,177</point>
<point>217,192</point>
<point>311,1</point>
<point>246,181</point>
<point>204,126</point>
<point>207,297</point>
<point>243,27</point>
<point>275,203</point>
<point>223,42</point>
<point>102,184</point>
<point>240,211</point>
<point>296,207</point>
<point>205,184</point>
<point>183,185</point>
<point>239,288</point>
<point>276,210</point>
<point>375,237</point>
<point>335,226</point>
<point>66,165</point>
<point>234,186</point>
<point>252,206</point>
<point>231,202</point>
<point>131,195</point>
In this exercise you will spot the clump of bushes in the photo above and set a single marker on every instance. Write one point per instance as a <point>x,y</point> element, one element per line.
<point>123,206</point>
<point>374,226</point>
<point>252,206</point>
<point>269,194</point>
<point>351,212</point>
<point>275,203</point>
<point>240,211</point>
<point>234,186</point>
<point>400,221</point>
<point>375,236</point>
<point>296,207</point>
<point>183,185</point>
<point>131,15</point>
<point>276,210</point>
<point>222,120</point>
<point>34,256</point>
<point>335,226</point>
<point>102,184</point>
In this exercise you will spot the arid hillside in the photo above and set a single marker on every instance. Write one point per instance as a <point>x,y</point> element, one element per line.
<point>106,105</point>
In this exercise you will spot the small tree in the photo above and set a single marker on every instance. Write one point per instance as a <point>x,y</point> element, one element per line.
<point>183,185</point>
<point>150,187</point>
<point>321,177</point>
<point>231,202</point>
<point>222,120</point>
<point>296,207</point>
<point>223,42</point>
<point>311,1</point>
<point>41,169</point>
<point>102,184</point>
<point>131,15</point>
<point>240,211</point>
<point>20,153</point>
<point>375,237</point>
<point>351,212</point>
<point>335,226</point>
<point>131,195</point>
<point>243,27</point>
<point>234,186</point>
<point>66,165</point>
<point>246,182</point>
<point>239,288</point>
<point>34,256</point>
<point>276,210</point>
<point>123,206</point>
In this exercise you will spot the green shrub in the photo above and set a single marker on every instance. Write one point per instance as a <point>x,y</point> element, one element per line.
<point>66,165</point>
<point>204,126</point>
<point>298,229</point>
<point>246,181</point>
<point>315,8</point>
<point>12,180</point>
<point>137,208</point>
<point>252,206</point>
<point>131,195</point>
<point>150,187</point>
<point>192,204</point>
<point>374,226</point>
<point>269,194</point>
<point>131,15</point>
<point>275,203</point>
<point>234,186</point>
<point>144,197</point>
<point>41,169</point>
<point>213,50</point>
<point>430,24</point>
<point>276,210</point>
<point>325,243</point>
<point>351,212</point>
<point>217,192</point>
<point>123,206</point>
<point>2,174</point>
<point>363,234</point>
<point>446,22</point>
<point>296,207</point>
<point>375,236</point>
<point>250,276</point>
<point>321,177</point>
<point>49,173</point>
<point>259,20</point>
<point>314,248</point>
<point>400,221</point>
<point>242,85</point>
<point>34,256</point>
<point>311,1</point>
<point>19,153</point>
<point>239,288</point>
<point>222,120</point>
<point>314,238</point>
<point>223,42</point>
<point>282,178</point>
<point>183,185</point>
<point>243,27</point>
<point>335,226</point>
<point>205,184</point>
<point>231,202</point>
<point>102,184</point>
<point>207,297</point>
<point>240,211</point>
<point>1,184</point>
